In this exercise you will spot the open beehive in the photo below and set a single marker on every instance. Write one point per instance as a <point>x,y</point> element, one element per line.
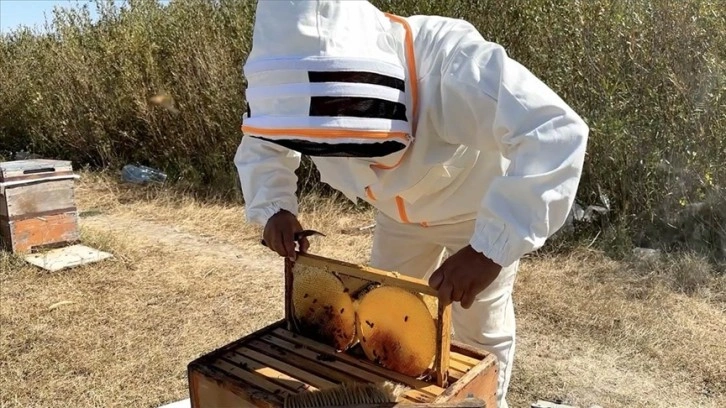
<point>303,353</point>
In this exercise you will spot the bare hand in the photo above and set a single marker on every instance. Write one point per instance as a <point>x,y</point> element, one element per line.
<point>464,275</point>
<point>279,234</point>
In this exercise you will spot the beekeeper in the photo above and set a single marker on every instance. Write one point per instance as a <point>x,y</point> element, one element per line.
<point>470,160</point>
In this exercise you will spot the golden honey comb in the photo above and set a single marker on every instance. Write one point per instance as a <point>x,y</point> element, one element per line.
<point>322,308</point>
<point>396,329</point>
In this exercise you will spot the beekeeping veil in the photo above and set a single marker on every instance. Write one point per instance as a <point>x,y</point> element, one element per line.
<point>329,78</point>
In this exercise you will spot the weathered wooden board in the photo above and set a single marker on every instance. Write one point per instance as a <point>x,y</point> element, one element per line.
<point>24,235</point>
<point>37,198</point>
<point>67,257</point>
<point>33,169</point>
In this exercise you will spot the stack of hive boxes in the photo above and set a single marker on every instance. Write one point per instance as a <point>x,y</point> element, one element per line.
<point>37,205</point>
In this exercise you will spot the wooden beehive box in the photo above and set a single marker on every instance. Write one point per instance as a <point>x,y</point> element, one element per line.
<point>37,204</point>
<point>262,368</point>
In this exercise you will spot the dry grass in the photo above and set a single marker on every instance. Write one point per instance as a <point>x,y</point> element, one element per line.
<point>217,218</point>
<point>189,276</point>
<point>594,332</point>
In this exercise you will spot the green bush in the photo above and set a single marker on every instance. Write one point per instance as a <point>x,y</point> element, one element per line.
<point>648,77</point>
<point>84,92</point>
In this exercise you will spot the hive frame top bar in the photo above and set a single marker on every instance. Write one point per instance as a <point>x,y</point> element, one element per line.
<point>33,168</point>
<point>443,320</point>
<point>367,273</point>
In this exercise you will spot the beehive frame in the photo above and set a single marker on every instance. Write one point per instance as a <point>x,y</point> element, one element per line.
<point>262,368</point>
<point>390,278</point>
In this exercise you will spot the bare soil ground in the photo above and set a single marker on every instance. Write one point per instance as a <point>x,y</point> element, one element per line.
<point>189,276</point>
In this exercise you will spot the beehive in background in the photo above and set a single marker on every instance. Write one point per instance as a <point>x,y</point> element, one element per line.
<point>37,205</point>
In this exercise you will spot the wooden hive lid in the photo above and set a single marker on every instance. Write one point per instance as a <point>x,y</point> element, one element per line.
<point>35,169</point>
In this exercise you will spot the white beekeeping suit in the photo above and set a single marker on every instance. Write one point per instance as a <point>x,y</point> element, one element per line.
<point>452,141</point>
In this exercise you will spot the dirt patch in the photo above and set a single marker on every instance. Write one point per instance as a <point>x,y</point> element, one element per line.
<point>156,233</point>
<point>134,322</point>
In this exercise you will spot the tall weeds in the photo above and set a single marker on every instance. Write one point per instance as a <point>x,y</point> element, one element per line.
<point>648,77</point>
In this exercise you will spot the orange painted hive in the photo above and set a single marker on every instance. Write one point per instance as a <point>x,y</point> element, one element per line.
<point>37,205</point>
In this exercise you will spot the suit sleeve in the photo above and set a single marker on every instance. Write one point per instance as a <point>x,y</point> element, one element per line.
<point>489,100</point>
<point>267,177</point>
